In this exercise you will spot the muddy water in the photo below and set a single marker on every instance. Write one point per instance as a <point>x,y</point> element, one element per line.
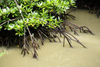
<point>55,55</point>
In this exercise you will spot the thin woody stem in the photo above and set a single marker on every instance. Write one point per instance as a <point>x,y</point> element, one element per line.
<point>22,18</point>
<point>27,28</point>
<point>8,21</point>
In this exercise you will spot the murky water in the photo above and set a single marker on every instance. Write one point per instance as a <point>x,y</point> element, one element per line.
<point>55,55</point>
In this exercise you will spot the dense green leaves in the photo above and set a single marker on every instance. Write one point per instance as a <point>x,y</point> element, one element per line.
<point>36,13</point>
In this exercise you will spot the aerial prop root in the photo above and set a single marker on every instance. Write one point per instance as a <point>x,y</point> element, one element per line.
<point>24,50</point>
<point>73,27</point>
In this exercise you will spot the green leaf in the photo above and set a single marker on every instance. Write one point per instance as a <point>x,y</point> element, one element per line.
<point>0,27</point>
<point>36,0</point>
<point>1,54</point>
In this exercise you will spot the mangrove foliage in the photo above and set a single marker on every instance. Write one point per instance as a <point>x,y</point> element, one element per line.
<point>22,21</point>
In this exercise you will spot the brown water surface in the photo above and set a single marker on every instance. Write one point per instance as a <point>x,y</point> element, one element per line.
<point>55,55</point>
